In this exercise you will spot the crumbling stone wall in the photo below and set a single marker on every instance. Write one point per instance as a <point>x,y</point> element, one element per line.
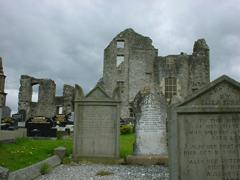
<point>142,66</point>
<point>68,97</point>
<point>199,65</point>
<point>190,71</point>
<point>47,101</point>
<point>134,72</point>
<point>46,97</point>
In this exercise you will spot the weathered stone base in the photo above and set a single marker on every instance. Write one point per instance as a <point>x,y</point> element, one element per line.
<point>147,160</point>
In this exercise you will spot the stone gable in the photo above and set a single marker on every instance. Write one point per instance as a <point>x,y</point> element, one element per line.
<point>221,92</point>
<point>97,94</point>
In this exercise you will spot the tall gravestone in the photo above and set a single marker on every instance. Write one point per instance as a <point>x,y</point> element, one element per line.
<point>150,126</point>
<point>96,124</point>
<point>204,133</point>
<point>6,112</point>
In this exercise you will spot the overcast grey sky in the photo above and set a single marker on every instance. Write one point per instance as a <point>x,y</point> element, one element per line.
<point>64,40</point>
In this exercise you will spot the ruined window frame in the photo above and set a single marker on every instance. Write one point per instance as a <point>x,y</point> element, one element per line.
<point>170,63</point>
<point>59,110</point>
<point>170,87</point>
<point>120,44</point>
<point>119,60</point>
<point>35,87</point>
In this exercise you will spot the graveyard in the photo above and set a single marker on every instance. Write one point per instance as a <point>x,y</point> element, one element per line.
<point>148,117</point>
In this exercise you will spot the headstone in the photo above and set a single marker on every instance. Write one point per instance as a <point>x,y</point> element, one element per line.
<point>23,113</point>
<point>150,109</point>
<point>6,111</point>
<point>40,127</point>
<point>18,117</point>
<point>204,133</point>
<point>96,124</point>
<point>70,118</point>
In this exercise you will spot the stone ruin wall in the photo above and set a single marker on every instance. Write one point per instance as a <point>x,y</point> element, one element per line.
<point>134,72</point>
<point>68,97</point>
<point>142,66</point>
<point>190,71</point>
<point>47,101</point>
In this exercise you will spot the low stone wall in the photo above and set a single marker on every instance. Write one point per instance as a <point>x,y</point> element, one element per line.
<point>33,171</point>
<point>4,173</point>
<point>6,136</point>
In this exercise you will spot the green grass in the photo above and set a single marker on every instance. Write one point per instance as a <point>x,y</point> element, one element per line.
<point>126,144</point>
<point>27,151</point>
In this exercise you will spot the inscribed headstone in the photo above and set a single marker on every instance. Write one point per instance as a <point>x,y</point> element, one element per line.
<point>204,133</point>
<point>96,124</point>
<point>150,126</point>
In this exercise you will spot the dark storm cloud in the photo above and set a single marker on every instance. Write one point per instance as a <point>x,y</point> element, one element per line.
<point>64,40</point>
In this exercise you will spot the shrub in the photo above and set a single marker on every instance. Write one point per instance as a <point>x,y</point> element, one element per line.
<point>66,160</point>
<point>45,168</point>
<point>126,129</point>
<point>60,134</point>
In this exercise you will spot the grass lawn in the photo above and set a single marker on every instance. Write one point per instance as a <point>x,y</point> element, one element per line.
<point>28,151</point>
<point>126,144</point>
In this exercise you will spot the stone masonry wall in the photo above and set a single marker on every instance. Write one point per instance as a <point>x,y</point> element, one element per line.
<point>68,97</point>
<point>134,72</point>
<point>47,101</point>
<point>142,66</point>
<point>46,97</point>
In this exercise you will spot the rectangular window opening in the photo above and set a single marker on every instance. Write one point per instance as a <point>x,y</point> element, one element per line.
<point>170,87</point>
<point>120,44</point>
<point>59,110</point>
<point>35,92</point>
<point>120,60</point>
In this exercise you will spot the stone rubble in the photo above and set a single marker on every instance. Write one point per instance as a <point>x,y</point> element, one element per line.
<point>120,172</point>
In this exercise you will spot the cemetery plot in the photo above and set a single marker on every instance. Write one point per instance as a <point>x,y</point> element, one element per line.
<point>40,127</point>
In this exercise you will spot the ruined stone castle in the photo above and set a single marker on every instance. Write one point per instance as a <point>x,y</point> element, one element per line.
<point>48,104</point>
<point>131,62</point>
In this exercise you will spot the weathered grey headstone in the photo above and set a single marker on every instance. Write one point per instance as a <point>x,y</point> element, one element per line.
<point>6,111</point>
<point>150,127</point>
<point>204,133</point>
<point>96,124</point>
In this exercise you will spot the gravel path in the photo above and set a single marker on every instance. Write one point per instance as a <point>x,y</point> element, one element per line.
<point>121,172</point>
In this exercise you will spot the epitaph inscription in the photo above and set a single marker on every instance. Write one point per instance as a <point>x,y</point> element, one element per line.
<point>209,146</point>
<point>97,131</point>
<point>151,127</point>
